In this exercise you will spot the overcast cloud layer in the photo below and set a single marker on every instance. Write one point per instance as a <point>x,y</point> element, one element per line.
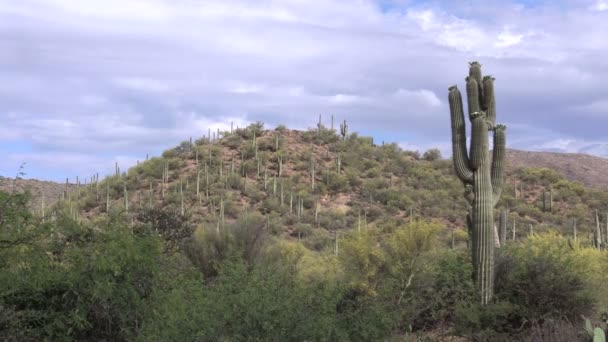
<point>87,83</point>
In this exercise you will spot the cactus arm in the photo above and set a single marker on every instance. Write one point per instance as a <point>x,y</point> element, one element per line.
<point>489,105</point>
<point>498,161</point>
<point>473,95</point>
<point>475,74</point>
<point>479,139</point>
<point>459,138</point>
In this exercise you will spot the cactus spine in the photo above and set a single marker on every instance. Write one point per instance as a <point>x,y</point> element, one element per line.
<point>484,175</point>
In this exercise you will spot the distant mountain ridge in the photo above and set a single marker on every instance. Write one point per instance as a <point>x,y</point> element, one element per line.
<point>587,169</point>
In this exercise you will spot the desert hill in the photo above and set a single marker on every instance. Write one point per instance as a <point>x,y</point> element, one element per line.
<point>584,168</point>
<point>311,184</point>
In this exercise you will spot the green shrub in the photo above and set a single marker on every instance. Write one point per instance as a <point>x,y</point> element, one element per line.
<point>73,282</point>
<point>544,279</point>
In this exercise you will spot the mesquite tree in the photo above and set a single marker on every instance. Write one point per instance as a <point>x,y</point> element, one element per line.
<point>482,176</point>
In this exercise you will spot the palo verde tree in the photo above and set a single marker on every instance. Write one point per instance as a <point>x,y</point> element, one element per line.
<point>482,176</point>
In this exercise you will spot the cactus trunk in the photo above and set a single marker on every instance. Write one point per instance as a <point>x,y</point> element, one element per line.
<point>483,232</point>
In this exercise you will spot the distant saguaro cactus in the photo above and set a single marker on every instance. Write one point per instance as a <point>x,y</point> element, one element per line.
<point>344,130</point>
<point>483,176</point>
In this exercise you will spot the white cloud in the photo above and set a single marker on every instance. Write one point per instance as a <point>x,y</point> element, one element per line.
<point>600,5</point>
<point>102,78</point>
<point>506,38</point>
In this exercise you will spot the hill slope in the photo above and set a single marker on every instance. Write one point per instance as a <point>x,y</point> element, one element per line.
<point>312,184</point>
<point>587,169</point>
<point>47,191</point>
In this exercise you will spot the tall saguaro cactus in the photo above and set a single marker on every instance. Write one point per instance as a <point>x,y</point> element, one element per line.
<point>483,176</point>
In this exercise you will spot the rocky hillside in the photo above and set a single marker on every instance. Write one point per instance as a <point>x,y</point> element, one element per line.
<point>49,192</point>
<point>587,169</point>
<point>312,184</point>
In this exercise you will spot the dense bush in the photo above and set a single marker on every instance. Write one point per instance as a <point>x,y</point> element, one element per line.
<point>73,282</point>
<point>544,279</point>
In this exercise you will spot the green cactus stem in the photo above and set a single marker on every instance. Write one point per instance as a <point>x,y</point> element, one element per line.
<point>502,227</point>
<point>319,125</point>
<point>344,130</point>
<point>598,335</point>
<point>126,198</point>
<point>598,233</point>
<point>206,182</point>
<point>606,232</point>
<point>530,230</point>
<point>548,200</point>
<point>317,213</point>
<point>97,187</point>
<point>336,251</point>
<point>312,173</point>
<point>291,202</point>
<point>222,217</point>
<point>150,194</point>
<point>484,175</point>
<point>181,198</point>
<point>107,196</point>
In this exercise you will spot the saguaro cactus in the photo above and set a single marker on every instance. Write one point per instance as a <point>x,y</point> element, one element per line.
<point>344,130</point>
<point>483,176</point>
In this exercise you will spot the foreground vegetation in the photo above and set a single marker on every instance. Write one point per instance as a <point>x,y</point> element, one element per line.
<point>160,279</point>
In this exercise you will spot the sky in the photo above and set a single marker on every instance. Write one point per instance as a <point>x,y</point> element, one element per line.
<point>87,83</point>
